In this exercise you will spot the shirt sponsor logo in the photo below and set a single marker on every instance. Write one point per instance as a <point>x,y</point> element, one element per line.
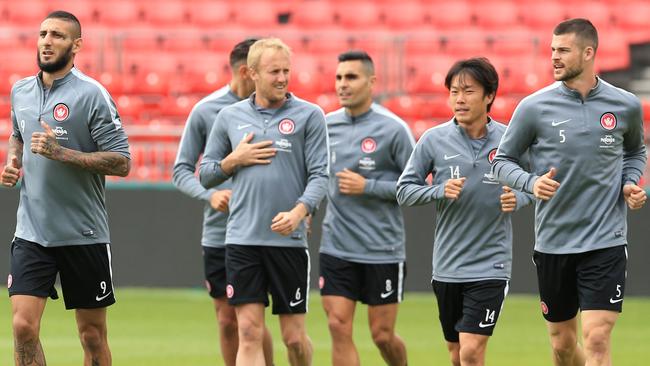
<point>448,157</point>
<point>60,133</point>
<point>367,164</point>
<point>368,145</point>
<point>491,155</point>
<point>286,126</point>
<point>560,122</point>
<point>489,179</point>
<point>283,145</point>
<point>608,121</point>
<point>608,140</point>
<point>61,112</point>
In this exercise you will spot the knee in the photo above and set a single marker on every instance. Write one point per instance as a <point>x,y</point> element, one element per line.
<point>92,338</point>
<point>227,324</point>
<point>382,338</point>
<point>294,342</point>
<point>469,354</point>
<point>564,346</point>
<point>250,332</point>
<point>25,329</point>
<point>597,339</point>
<point>339,326</point>
<point>454,357</point>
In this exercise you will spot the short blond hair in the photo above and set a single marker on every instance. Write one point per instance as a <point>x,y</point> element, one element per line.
<point>256,50</point>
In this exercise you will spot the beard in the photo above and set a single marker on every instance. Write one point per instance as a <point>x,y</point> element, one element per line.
<point>56,65</point>
<point>571,73</point>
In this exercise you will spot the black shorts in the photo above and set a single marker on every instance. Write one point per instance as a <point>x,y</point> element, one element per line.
<point>593,280</point>
<point>253,271</point>
<point>214,267</point>
<point>469,307</point>
<point>372,284</point>
<point>85,273</point>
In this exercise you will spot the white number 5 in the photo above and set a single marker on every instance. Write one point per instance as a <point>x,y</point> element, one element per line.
<point>562,136</point>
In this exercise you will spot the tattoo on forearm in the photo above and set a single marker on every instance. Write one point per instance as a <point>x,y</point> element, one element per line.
<point>101,162</point>
<point>15,148</point>
<point>29,353</point>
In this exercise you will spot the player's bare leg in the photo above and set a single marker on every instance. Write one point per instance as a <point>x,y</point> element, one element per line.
<point>597,328</point>
<point>340,317</point>
<point>454,353</point>
<point>27,313</point>
<point>381,319</point>
<point>250,324</point>
<point>564,343</point>
<point>228,334</point>
<point>93,334</point>
<point>472,349</point>
<point>294,336</point>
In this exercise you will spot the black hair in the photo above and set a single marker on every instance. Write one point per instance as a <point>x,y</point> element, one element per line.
<point>362,56</point>
<point>481,70</point>
<point>582,28</point>
<point>239,53</point>
<point>62,14</point>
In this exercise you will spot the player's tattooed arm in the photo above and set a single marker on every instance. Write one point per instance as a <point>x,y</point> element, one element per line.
<point>15,150</point>
<point>100,162</point>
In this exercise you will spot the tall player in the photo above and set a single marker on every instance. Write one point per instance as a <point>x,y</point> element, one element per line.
<point>266,238</point>
<point>472,255</point>
<point>586,146</point>
<point>362,254</point>
<point>215,214</point>
<point>67,136</point>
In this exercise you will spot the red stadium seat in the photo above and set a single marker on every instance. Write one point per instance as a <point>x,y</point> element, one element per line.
<point>406,106</point>
<point>20,61</point>
<point>27,12</point>
<point>632,17</point>
<point>329,102</point>
<point>503,107</point>
<point>120,13</point>
<point>423,44</point>
<point>212,14</point>
<point>469,42</point>
<point>136,62</point>
<point>257,14</point>
<point>515,42</point>
<point>359,15</point>
<point>497,15</point>
<point>141,42</point>
<point>597,12</point>
<point>129,106</point>
<point>112,82</point>
<point>408,15</point>
<point>313,15</point>
<point>167,13</point>
<point>147,83</point>
<point>542,16</point>
<point>450,15</point>
<point>84,10</point>
<point>427,74</point>
<point>613,50</point>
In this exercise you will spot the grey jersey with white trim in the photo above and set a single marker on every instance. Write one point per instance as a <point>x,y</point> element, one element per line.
<point>297,173</point>
<point>596,145</point>
<point>367,228</point>
<point>61,204</point>
<point>197,129</point>
<point>473,239</point>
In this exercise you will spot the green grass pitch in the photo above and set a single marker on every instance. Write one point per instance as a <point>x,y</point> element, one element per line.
<point>177,327</point>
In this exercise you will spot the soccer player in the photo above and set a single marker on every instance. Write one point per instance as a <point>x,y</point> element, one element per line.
<point>362,253</point>
<point>472,255</point>
<point>67,136</point>
<point>273,190</point>
<point>215,214</point>
<point>585,138</point>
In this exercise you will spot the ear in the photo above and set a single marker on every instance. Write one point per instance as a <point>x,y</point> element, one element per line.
<point>490,97</point>
<point>77,45</point>
<point>242,71</point>
<point>589,53</point>
<point>372,79</point>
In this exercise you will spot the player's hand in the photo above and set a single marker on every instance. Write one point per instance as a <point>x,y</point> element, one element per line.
<point>508,200</point>
<point>219,200</point>
<point>11,172</point>
<point>284,223</point>
<point>545,187</point>
<point>44,143</point>
<point>350,182</point>
<point>635,196</point>
<point>246,154</point>
<point>453,188</point>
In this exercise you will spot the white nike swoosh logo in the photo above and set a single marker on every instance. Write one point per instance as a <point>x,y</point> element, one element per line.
<point>451,157</point>
<point>292,303</point>
<point>335,143</point>
<point>559,123</point>
<point>100,298</point>
<point>386,294</point>
<point>612,301</point>
<point>23,108</point>
<point>482,325</point>
<point>240,127</point>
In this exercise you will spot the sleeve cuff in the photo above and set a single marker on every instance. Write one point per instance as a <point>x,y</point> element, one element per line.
<point>370,186</point>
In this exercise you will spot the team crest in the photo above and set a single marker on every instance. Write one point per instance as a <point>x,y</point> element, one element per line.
<point>491,155</point>
<point>368,145</point>
<point>286,126</point>
<point>608,121</point>
<point>10,280</point>
<point>544,308</point>
<point>208,286</point>
<point>61,112</point>
<point>321,282</point>
<point>230,291</point>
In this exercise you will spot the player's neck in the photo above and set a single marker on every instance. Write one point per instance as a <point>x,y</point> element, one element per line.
<point>475,129</point>
<point>583,83</point>
<point>359,109</point>
<point>238,89</point>
<point>268,103</point>
<point>49,77</point>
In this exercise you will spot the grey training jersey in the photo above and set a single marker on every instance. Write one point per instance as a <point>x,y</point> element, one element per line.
<point>61,204</point>
<point>297,173</point>
<point>473,239</point>
<point>596,145</point>
<point>197,129</point>
<point>367,228</point>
